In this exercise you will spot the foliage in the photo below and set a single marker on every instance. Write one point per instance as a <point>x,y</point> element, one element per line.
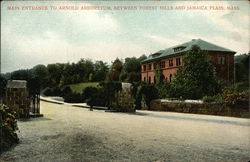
<point>66,91</point>
<point>102,96</point>
<point>93,96</point>
<point>40,72</point>
<point>133,77</point>
<point>132,69</point>
<point>242,68</point>
<point>128,71</point>
<point>148,92</point>
<point>73,98</point>
<point>196,78</point>
<point>53,91</point>
<point>164,89</point>
<point>21,75</point>
<point>115,71</point>
<point>79,87</point>
<point>34,86</point>
<point>236,94</point>
<point>234,97</point>
<point>209,99</point>
<point>3,83</point>
<point>8,127</point>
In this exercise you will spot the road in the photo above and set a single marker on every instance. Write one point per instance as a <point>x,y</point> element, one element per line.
<point>67,133</point>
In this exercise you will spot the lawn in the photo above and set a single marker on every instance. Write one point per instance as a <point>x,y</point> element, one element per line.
<point>79,87</point>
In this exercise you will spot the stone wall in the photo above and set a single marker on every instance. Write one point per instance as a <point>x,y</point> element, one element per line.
<point>17,97</point>
<point>200,108</point>
<point>18,100</point>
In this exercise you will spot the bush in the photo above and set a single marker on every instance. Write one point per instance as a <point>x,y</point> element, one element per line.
<point>235,97</point>
<point>73,98</point>
<point>144,91</point>
<point>53,92</point>
<point>66,91</point>
<point>88,92</point>
<point>209,99</point>
<point>241,86</point>
<point>102,96</point>
<point>8,127</point>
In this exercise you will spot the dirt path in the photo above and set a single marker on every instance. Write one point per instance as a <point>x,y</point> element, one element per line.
<point>76,134</point>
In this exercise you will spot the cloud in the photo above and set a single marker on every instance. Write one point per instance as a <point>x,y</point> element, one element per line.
<point>162,40</point>
<point>28,51</point>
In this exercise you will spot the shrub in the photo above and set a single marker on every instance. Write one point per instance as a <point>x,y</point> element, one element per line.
<point>73,98</point>
<point>241,86</point>
<point>66,91</point>
<point>215,98</point>
<point>88,92</point>
<point>233,97</point>
<point>102,96</point>
<point>8,127</point>
<point>53,91</point>
<point>146,91</point>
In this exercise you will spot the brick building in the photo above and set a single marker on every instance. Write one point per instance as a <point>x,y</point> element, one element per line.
<point>170,59</point>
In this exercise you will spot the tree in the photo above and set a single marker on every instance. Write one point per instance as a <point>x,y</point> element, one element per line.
<point>100,71</point>
<point>23,74</point>
<point>41,73</point>
<point>242,68</point>
<point>132,69</point>
<point>196,78</point>
<point>115,71</point>
<point>3,83</point>
<point>55,74</point>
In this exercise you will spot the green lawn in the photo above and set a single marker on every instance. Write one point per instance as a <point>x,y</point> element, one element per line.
<point>78,88</point>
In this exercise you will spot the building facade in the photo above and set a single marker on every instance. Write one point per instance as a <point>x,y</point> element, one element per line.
<point>170,59</point>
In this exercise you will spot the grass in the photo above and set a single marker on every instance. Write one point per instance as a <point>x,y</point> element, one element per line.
<point>79,87</point>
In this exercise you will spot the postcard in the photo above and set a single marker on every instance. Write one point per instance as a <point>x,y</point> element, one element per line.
<point>108,80</point>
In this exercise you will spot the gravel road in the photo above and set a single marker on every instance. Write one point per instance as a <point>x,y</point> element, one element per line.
<point>68,133</point>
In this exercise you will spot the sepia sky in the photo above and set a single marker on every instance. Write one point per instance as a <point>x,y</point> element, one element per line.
<point>31,37</point>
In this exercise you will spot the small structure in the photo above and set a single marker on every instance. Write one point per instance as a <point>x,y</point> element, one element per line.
<point>17,98</point>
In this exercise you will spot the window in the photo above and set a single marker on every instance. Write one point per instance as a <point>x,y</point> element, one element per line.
<point>177,49</point>
<point>154,80</point>
<point>162,64</point>
<point>155,65</point>
<point>144,79</point>
<point>149,80</point>
<point>170,77</point>
<point>222,60</point>
<point>170,62</point>
<point>144,67</point>
<point>149,66</point>
<point>178,61</point>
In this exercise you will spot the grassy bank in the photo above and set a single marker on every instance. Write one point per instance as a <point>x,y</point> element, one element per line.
<point>79,87</point>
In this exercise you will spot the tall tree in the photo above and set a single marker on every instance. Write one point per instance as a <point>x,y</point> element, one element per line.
<point>197,77</point>
<point>115,71</point>
<point>40,72</point>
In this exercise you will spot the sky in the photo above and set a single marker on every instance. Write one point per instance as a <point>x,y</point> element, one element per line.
<point>31,37</point>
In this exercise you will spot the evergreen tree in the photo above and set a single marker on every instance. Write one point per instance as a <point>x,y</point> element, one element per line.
<point>196,78</point>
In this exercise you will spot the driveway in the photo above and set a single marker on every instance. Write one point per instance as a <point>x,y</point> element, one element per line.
<point>67,133</point>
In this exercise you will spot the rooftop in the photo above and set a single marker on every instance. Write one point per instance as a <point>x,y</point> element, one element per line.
<point>180,49</point>
<point>16,84</point>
